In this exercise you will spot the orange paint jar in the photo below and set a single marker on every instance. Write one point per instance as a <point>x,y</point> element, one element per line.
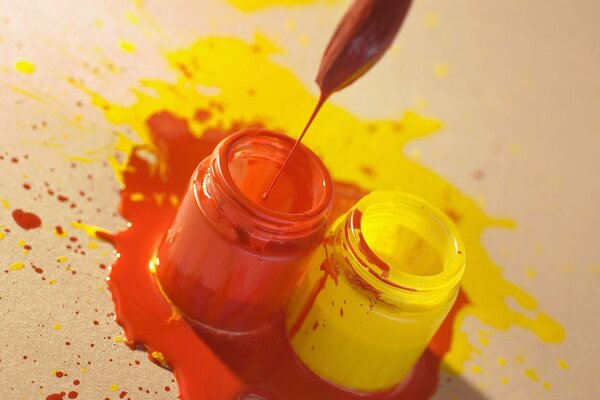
<point>231,259</point>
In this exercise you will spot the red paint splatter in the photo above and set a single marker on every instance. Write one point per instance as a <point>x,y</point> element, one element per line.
<point>62,198</point>
<point>56,396</point>
<point>26,220</point>
<point>72,394</point>
<point>205,366</point>
<point>59,374</point>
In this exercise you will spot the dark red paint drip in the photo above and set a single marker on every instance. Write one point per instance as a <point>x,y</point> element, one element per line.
<point>205,366</point>
<point>26,220</point>
<point>56,396</point>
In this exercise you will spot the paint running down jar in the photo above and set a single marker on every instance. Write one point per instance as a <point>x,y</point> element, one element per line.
<point>376,292</point>
<point>231,259</point>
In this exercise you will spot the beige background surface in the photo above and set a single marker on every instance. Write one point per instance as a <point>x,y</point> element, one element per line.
<point>516,84</point>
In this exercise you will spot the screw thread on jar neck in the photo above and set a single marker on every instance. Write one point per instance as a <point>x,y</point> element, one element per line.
<point>407,250</point>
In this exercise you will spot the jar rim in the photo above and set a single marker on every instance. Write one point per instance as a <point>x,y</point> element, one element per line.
<point>405,282</point>
<point>320,209</point>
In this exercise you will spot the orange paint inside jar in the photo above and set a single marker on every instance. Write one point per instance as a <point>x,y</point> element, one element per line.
<point>231,259</point>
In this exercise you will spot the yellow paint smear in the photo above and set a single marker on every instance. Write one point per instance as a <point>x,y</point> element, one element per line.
<point>267,92</point>
<point>16,266</point>
<point>253,5</point>
<point>25,66</point>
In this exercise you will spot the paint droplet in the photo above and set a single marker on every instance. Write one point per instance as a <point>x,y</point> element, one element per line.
<point>476,369</point>
<point>25,66</point>
<point>504,380</point>
<point>547,385</point>
<point>118,339</point>
<point>51,281</point>
<point>531,374</point>
<point>114,387</point>
<point>441,70</point>
<point>562,364</point>
<point>127,46</point>
<point>57,327</point>
<point>431,20</point>
<point>26,220</point>
<point>62,259</point>
<point>72,394</point>
<point>16,266</point>
<point>501,361</point>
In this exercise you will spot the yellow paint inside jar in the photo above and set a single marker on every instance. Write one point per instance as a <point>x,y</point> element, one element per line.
<point>376,292</point>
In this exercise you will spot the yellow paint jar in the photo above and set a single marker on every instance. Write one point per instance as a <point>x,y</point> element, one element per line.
<point>376,292</point>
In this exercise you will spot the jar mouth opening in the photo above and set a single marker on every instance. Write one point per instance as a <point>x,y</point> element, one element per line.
<point>404,243</point>
<point>271,148</point>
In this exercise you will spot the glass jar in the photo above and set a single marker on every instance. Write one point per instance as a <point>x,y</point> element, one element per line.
<point>231,259</point>
<point>376,292</point>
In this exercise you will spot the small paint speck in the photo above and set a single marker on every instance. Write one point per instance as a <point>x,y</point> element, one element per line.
<point>531,374</point>
<point>431,20</point>
<point>16,266</point>
<point>57,327</point>
<point>547,385</point>
<point>501,361</point>
<point>127,46</point>
<point>118,339</point>
<point>62,259</point>
<point>562,364</point>
<point>441,70</point>
<point>504,380</point>
<point>51,281</point>
<point>476,369</point>
<point>25,66</point>
<point>114,387</point>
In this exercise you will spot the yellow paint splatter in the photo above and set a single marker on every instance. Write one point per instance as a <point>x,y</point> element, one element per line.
<point>431,20</point>
<point>25,66</point>
<point>16,266</point>
<point>476,369</point>
<point>158,357</point>
<point>127,46</point>
<point>5,204</point>
<point>133,18</point>
<point>532,374</point>
<point>2,235</point>
<point>441,70</point>
<point>90,230</point>
<point>136,196</point>
<point>114,387</point>
<point>214,63</point>
<point>504,380</point>
<point>61,259</point>
<point>562,364</point>
<point>57,327</point>
<point>547,385</point>
<point>501,361</point>
<point>530,272</point>
<point>92,245</point>
<point>253,5</point>
<point>118,339</point>
<point>51,281</point>
<point>291,25</point>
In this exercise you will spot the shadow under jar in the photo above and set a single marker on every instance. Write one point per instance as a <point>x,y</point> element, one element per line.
<point>376,292</point>
<point>231,259</point>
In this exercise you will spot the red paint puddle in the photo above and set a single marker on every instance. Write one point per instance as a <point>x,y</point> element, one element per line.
<point>26,220</point>
<point>205,366</point>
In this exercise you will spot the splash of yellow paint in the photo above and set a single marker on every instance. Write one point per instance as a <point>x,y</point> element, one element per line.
<point>127,46</point>
<point>114,387</point>
<point>57,327</point>
<point>253,5</point>
<point>25,66</point>
<point>16,266</point>
<point>61,259</point>
<point>267,92</point>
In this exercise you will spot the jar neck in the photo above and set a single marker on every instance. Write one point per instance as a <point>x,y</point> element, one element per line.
<point>402,248</point>
<point>249,219</point>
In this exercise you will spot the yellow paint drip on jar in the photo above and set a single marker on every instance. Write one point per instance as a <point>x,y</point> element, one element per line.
<point>270,93</point>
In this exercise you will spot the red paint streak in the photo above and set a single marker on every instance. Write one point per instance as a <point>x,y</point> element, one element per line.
<point>318,106</point>
<point>26,220</point>
<point>26,186</point>
<point>208,367</point>
<point>56,396</point>
<point>62,198</point>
